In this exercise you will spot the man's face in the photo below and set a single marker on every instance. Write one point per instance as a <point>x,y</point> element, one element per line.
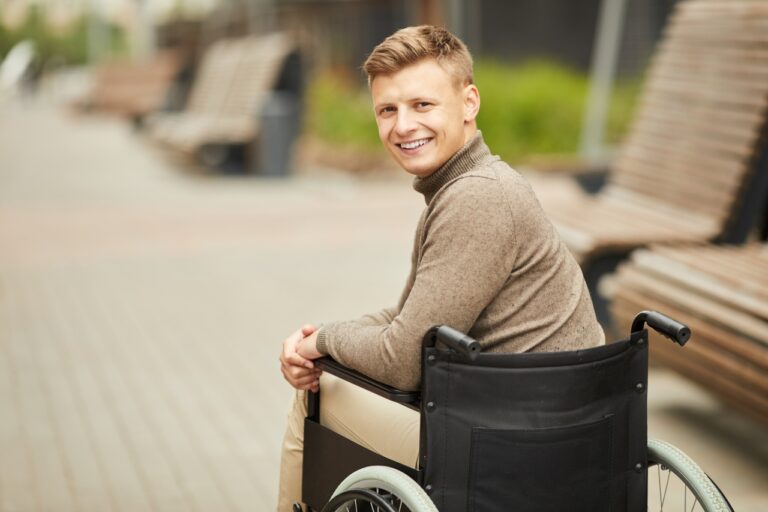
<point>423,116</point>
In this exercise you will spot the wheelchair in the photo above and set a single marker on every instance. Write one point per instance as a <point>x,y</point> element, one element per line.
<point>562,431</point>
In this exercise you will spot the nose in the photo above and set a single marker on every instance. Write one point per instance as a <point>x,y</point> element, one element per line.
<point>406,122</point>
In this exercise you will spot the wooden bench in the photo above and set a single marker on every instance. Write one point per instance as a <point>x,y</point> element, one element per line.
<point>233,81</point>
<point>694,166</point>
<point>721,292</point>
<point>132,89</point>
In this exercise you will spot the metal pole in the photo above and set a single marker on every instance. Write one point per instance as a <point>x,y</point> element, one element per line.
<point>603,69</point>
<point>456,17</point>
<point>145,31</point>
<point>98,37</point>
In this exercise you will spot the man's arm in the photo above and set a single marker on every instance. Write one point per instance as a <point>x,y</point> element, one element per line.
<point>382,317</point>
<point>468,254</point>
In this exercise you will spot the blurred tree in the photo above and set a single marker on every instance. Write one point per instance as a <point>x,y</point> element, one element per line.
<point>66,46</point>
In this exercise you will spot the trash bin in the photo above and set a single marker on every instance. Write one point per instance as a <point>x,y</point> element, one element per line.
<point>278,128</point>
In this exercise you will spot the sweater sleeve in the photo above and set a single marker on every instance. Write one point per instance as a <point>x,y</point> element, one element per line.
<point>467,254</point>
<point>382,317</point>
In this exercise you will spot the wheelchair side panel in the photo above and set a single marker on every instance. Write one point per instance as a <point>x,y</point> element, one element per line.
<point>329,458</point>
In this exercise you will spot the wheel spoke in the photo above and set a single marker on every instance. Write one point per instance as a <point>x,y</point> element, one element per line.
<point>661,500</point>
<point>663,496</point>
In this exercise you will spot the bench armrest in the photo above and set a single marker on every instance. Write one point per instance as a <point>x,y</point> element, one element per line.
<point>409,398</point>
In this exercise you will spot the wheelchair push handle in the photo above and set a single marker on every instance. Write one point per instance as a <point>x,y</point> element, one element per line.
<point>662,324</point>
<point>455,340</point>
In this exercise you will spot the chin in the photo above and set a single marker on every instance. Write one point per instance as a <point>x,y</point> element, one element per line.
<point>418,170</point>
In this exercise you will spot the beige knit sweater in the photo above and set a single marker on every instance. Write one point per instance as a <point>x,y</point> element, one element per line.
<point>487,262</point>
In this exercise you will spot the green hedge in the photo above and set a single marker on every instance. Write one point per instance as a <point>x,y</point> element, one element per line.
<point>339,110</point>
<point>69,47</point>
<point>529,109</point>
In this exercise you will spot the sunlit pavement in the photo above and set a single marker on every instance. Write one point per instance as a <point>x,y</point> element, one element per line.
<point>142,306</point>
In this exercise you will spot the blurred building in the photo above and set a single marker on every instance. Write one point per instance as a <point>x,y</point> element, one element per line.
<point>510,30</point>
<point>564,31</point>
<point>341,32</point>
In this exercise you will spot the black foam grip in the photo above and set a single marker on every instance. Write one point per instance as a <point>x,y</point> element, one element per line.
<point>458,341</point>
<point>664,325</point>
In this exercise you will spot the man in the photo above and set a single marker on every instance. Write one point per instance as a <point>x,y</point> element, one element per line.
<point>486,261</point>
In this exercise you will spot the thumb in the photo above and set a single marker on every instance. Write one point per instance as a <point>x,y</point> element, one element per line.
<point>308,329</point>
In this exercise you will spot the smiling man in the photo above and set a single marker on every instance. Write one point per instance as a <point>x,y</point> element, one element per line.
<point>486,261</point>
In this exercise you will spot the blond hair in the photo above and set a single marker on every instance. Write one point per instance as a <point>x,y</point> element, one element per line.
<point>412,44</point>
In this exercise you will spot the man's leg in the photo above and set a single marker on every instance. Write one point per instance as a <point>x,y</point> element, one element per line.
<point>371,421</point>
<point>292,456</point>
<point>376,423</point>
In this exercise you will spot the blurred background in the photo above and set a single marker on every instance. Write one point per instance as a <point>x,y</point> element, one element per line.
<point>185,182</point>
<point>533,59</point>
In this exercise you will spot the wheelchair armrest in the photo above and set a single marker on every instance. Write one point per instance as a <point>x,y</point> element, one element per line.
<point>328,364</point>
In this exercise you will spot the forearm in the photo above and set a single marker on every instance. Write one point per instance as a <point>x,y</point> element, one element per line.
<point>382,317</point>
<point>381,352</point>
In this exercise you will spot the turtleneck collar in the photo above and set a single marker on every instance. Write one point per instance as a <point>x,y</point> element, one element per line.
<point>463,161</point>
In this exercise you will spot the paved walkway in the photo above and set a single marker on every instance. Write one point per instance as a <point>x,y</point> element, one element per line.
<point>142,307</point>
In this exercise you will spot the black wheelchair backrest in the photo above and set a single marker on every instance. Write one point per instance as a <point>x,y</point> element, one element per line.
<point>535,431</point>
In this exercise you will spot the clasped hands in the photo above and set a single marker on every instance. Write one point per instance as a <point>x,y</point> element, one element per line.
<point>299,349</point>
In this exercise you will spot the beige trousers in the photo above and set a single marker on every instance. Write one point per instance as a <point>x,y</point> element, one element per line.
<point>367,419</point>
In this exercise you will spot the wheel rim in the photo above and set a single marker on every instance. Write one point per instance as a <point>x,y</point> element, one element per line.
<point>676,482</point>
<point>365,500</point>
<point>667,491</point>
<point>397,489</point>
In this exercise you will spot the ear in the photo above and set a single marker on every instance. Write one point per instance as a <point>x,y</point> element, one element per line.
<point>471,103</point>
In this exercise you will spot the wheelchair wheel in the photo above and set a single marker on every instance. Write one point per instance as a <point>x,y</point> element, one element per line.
<point>379,488</point>
<point>675,482</point>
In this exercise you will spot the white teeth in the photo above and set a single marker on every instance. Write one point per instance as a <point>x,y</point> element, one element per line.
<point>413,145</point>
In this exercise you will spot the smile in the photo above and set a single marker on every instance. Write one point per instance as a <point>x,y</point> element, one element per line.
<point>413,144</point>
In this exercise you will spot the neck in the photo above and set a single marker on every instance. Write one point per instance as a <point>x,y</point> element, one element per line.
<point>470,129</point>
<point>463,161</point>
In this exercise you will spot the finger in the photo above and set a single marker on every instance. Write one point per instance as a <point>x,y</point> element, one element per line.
<point>297,372</point>
<point>298,360</point>
<point>290,353</point>
<point>308,329</point>
<point>292,339</point>
<point>305,380</point>
<point>295,369</point>
<point>302,383</point>
<point>314,387</point>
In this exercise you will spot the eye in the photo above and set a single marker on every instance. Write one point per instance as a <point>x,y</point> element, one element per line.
<point>386,110</point>
<point>423,105</point>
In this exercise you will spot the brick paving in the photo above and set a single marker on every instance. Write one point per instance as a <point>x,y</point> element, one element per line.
<point>142,306</point>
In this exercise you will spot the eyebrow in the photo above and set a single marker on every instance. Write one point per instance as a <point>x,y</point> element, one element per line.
<point>412,100</point>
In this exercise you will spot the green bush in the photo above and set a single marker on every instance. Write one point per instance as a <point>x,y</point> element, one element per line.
<point>340,111</point>
<point>537,108</point>
<point>534,108</point>
<point>69,47</point>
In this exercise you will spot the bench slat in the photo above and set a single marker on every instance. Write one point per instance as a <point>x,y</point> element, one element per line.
<point>678,295</point>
